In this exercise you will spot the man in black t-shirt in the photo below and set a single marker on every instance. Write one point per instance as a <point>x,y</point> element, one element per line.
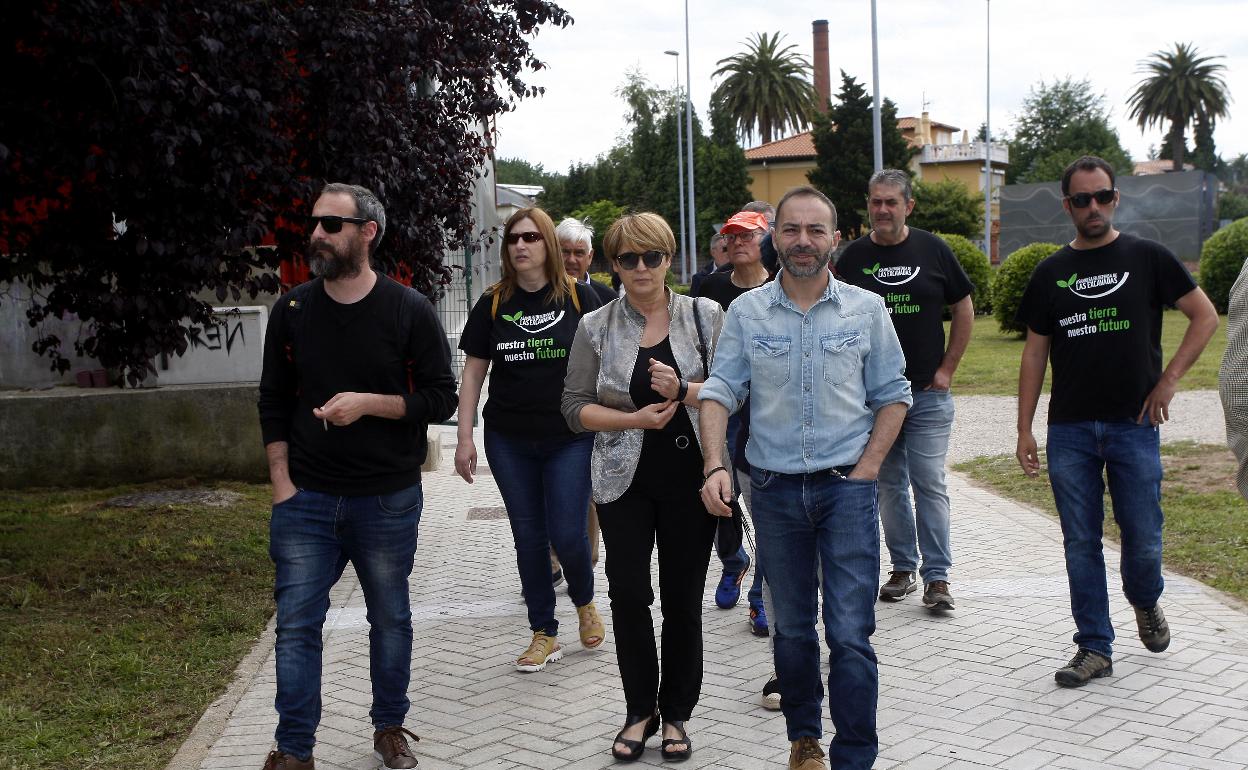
<point>1094,310</point>
<point>356,366</point>
<point>918,276</point>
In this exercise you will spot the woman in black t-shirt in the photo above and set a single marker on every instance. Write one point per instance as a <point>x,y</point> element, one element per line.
<point>524,326</point>
<point>636,370</point>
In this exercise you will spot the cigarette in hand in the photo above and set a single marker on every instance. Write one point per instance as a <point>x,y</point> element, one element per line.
<point>325,423</point>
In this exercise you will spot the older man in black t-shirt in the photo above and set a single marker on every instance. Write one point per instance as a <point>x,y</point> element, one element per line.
<point>918,276</point>
<point>355,367</point>
<point>1094,309</point>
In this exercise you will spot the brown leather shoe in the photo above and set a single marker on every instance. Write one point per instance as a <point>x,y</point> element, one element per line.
<point>899,584</point>
<point>937,597</point>
<point>391,748</point>
<point>806,754</point>
<point>278,760</point>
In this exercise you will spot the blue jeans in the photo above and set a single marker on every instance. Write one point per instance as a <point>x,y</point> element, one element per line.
<point>1130,456</point>
<point>545,485</point>
<point>918,459</point>
<point>312,536</point>
<point>809,521</point>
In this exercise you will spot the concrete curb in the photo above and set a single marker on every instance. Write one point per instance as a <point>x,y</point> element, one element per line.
<point>211,725</point>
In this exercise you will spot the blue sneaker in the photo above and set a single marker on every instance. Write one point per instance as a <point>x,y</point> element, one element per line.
<point>758,620</point>
<point>728,592</point>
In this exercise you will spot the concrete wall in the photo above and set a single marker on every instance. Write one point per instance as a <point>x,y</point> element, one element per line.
<point>83,437</point>
<point>20,367</point>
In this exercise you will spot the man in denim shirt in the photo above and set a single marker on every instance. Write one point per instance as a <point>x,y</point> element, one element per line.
<point>830,395</point>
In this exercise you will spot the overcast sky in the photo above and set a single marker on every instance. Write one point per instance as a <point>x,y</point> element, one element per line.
<point>928,49</point>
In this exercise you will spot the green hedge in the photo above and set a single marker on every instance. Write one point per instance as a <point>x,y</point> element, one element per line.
<point>1011,281</point>
<point>977,267</point>
<point>1221,260</point>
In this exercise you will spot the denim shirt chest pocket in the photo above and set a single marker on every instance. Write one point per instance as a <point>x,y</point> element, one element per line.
<point>841,355</point>
<point>771,360</point>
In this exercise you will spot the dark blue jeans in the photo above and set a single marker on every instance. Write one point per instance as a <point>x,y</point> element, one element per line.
<point>545,486</point>
<point>802,522</point>
<point>1129,455</point>
<point>312,536</point>
<point>735,562</point>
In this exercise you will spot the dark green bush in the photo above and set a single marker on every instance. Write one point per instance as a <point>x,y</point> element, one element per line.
<point>1221,259</point>
<point>1011,281</point>
<point>977,267</point>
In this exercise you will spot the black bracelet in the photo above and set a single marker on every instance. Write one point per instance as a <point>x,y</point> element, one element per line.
<point>712,472</point>
<point>682,390</point>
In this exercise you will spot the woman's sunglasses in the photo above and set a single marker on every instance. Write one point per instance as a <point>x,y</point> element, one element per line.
<point>1081,200</point>
<point>332,224</point>
<point>628,260</point>
<point>531,236</point>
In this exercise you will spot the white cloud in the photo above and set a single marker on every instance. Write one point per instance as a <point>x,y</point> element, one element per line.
<point>927,49</point>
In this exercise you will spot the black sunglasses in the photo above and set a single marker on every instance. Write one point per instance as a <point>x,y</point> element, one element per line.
<point>628,260</point>
<point>531,236</point>
<point>1081,200</point>
<point>332,224</point>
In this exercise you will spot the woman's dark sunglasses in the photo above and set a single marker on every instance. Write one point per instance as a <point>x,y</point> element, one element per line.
<point>333,224</point>
<point>1081,200</point>
<point>531,236</point>
<point>628,260</point>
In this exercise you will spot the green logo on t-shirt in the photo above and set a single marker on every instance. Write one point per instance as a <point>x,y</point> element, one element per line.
<point>1094,286</point>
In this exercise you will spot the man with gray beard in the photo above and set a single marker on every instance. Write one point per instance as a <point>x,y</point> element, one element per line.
<point>356,366</point>
<point>829,396</point>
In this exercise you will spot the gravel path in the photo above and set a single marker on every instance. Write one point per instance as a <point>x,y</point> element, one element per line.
<point>984,425</point>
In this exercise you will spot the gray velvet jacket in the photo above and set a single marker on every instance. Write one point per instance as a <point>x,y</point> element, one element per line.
<point>600,368</point>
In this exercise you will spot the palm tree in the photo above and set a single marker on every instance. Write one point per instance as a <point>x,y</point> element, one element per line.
<point>766,88</point>
<point>1182,87</point>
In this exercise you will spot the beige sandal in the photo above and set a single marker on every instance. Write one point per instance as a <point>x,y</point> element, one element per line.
<point>592,631</point>
<point>542,650</point>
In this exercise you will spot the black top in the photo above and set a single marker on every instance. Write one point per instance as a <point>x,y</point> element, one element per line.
<point>527,344</point>
<point>670,464</point>
<point>390,342</point>
<point>719,287</point>
<point>695,281</point>
<point>1102,309</point>
<point>917,278</point>
<point>605,293</point>
<point>771,259</point>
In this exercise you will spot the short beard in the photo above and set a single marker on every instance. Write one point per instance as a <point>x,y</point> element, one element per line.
<point>1095,230</point>
<point>331,265</point>
<point>804,272</point>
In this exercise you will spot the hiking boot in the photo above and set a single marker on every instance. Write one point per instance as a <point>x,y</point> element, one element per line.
<point>806,754</point>
<point>728,592</point>
<point>1154,630</point>
<point>1084,666</point>
<point>758,620</point>
<point>899,584</point>
<point>278,760</point>
<point>771,694</point>
<point>391,748</point>
<point>936,596</point>
<point>542,650</point>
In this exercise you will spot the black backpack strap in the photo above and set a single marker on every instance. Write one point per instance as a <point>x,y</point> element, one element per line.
<point>697,323</point>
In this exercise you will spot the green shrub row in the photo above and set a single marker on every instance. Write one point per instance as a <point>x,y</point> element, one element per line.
<point>1221,259</point>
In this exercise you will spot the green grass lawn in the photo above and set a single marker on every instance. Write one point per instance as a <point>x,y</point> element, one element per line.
<point>1206,530</point>
<point>118,626</point>
<point>990,366</point>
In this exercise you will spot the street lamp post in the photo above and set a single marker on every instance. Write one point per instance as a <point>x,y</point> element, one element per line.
<point>878,145</point>
<point>692,211</point>
<point>988,129</point>
<point>680,171</point>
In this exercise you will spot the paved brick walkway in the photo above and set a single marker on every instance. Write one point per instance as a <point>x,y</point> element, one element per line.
<point>971,690</point>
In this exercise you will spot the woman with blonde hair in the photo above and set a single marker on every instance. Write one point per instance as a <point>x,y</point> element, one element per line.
<point>523,326</point>
<point>635,372</point>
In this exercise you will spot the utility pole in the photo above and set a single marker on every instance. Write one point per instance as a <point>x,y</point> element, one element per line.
<point>988,130</point>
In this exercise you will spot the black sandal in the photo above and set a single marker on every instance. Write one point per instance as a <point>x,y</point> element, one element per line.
<point>635,748</point>
<point>682,755</point>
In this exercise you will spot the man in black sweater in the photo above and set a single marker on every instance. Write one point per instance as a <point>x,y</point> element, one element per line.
<point>356,366</point>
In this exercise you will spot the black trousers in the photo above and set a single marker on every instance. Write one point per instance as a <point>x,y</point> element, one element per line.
<point>684,531</point>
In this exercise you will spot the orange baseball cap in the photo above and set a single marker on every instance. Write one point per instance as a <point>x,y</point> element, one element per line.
<point>745,220</point>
